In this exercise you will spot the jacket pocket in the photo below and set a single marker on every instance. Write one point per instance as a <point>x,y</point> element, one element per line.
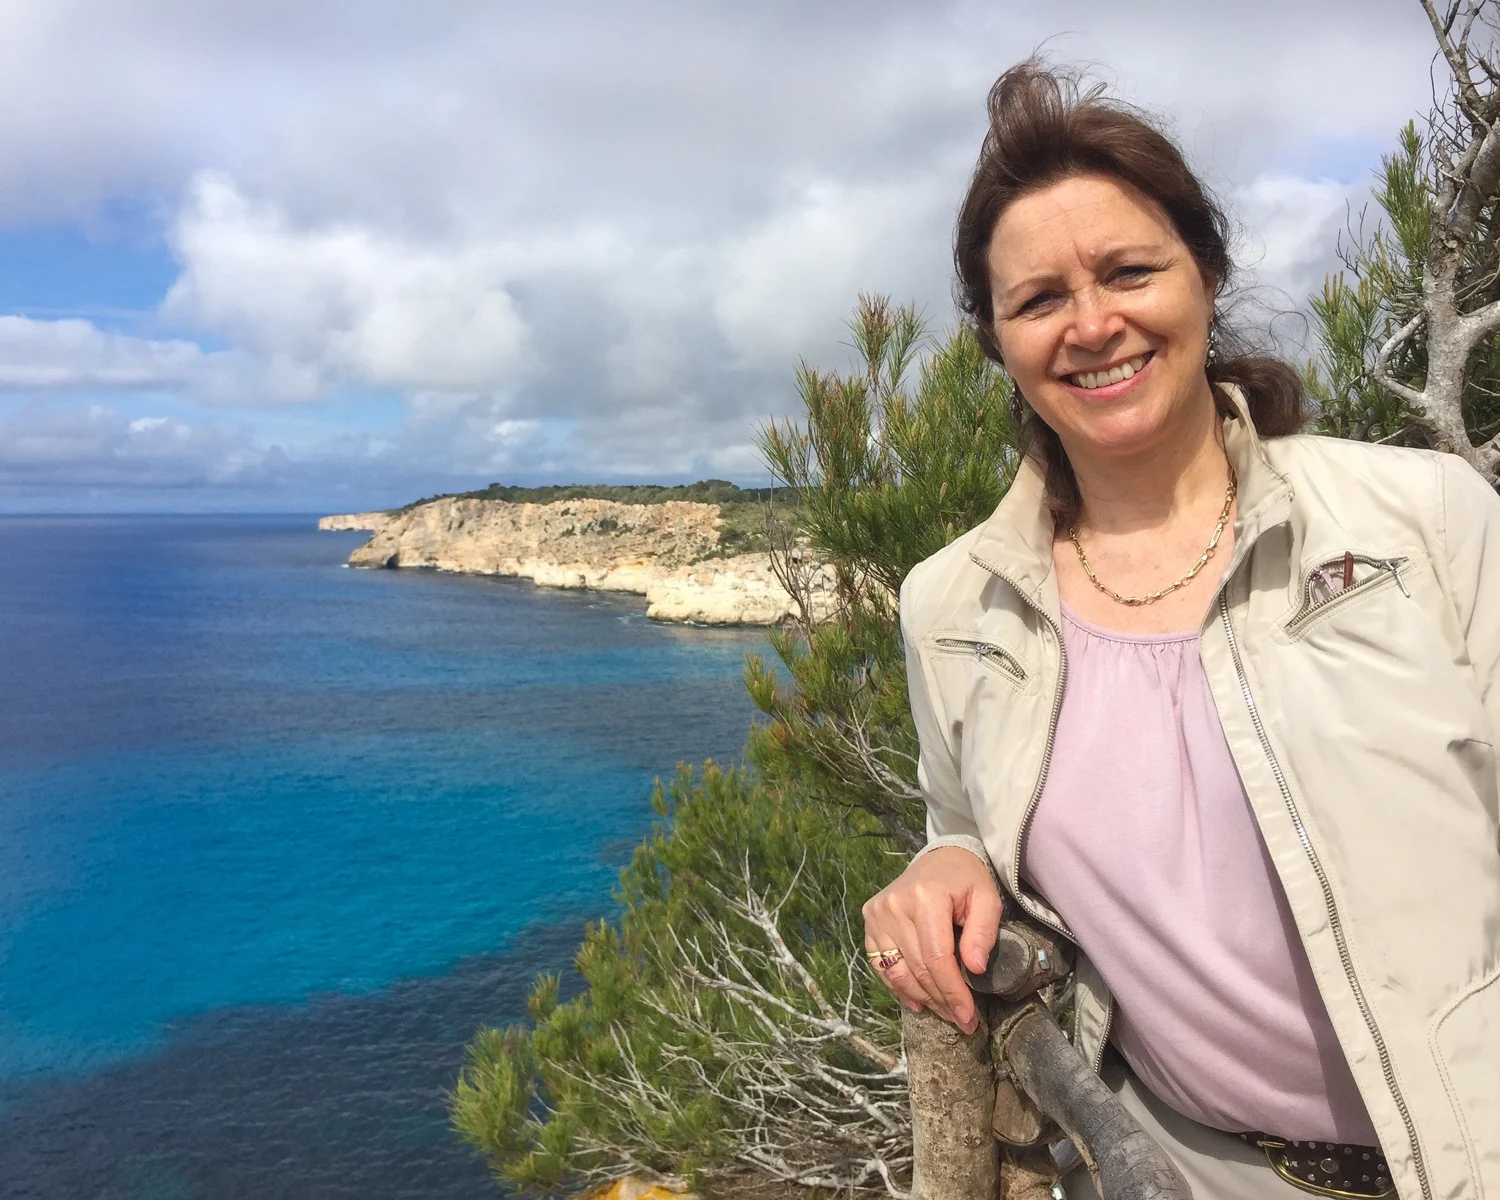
<point>987,654</point>
<point>1466,1045</point>
<point>1323,593</point>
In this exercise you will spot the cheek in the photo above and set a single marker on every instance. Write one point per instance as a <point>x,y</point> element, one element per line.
<point>1026,351</point>
<point>1180,312</point>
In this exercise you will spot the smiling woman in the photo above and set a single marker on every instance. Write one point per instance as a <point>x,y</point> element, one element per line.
<point>1204,769</point>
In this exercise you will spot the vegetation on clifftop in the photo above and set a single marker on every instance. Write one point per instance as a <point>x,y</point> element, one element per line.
<point>741,510</point>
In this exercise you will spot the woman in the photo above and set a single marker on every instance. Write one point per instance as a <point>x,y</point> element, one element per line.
<point>1214,699</point>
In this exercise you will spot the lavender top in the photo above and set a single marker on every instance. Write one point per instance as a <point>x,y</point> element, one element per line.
<point>1145,843</point>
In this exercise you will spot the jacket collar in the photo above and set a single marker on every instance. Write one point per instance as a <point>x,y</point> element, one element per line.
<point>1016,541</point>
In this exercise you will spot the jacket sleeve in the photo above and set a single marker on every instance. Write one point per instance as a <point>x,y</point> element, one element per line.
<point>950,818</point>
<point>1471,530</point>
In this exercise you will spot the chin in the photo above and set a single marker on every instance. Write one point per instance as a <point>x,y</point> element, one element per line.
<point>1120,431</point>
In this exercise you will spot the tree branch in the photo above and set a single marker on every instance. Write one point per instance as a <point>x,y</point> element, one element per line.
<point>1383,365</point>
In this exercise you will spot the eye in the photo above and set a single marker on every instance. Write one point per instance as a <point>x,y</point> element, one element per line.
<point>1130,273</point>
<point>1037,302</point>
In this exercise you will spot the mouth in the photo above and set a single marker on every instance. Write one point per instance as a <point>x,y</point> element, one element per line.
<point>1090,381</point>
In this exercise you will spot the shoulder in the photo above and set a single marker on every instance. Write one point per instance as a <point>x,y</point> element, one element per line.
<point>1309,454</point>
<point>1423,495</point>
<point>941,584</point>
<point>1361,483</point>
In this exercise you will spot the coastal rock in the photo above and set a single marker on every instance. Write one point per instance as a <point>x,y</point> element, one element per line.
<point>634,1189</point>
<point>366,520</point>
<point>742,590</point>
<point>571,543</point>
<point>665,552</point>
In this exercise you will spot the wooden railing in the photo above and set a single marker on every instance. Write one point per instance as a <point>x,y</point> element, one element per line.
<point>987,1106</point>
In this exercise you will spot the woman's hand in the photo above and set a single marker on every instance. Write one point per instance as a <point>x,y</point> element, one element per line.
<point>916,914</point>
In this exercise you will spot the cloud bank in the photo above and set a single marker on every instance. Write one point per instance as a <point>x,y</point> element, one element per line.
<point>427,246</point>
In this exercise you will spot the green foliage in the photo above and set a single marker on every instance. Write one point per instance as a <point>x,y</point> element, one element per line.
<point>631,1073</point>
<point>1354,319</point>
<point>705,491</point>
<point>884,476</point>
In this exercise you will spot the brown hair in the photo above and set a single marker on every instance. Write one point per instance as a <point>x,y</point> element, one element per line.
<point>1043,129</point>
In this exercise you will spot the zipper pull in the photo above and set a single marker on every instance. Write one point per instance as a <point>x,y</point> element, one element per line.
<point>1395,566</point>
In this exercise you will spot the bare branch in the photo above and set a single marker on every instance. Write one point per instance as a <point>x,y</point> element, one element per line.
<point>1442,28</point>
<point>1480,323</point>
<point>1383,364</point>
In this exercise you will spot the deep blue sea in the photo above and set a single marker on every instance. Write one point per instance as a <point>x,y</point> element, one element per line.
<point>277,836</point>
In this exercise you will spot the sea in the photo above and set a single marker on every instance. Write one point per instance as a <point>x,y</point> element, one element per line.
<point>278,836</point>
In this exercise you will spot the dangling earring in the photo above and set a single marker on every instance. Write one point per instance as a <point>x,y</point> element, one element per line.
<point>1213,345</point>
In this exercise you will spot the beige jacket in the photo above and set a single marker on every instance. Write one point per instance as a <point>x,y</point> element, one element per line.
<point>1363,728</point>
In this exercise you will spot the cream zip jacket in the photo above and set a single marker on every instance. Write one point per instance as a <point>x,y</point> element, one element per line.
<point>1363,728</point>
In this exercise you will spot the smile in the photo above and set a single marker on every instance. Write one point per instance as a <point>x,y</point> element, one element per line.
<point>1089,380</point>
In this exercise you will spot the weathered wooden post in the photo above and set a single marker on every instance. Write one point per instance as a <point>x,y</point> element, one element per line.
<point>1018,1083</point>
<point>954,1152</point>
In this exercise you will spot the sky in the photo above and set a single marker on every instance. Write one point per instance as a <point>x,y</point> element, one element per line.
<point>334,255</point>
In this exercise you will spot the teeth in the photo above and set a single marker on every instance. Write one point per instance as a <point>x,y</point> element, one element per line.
<point>1095,379</point>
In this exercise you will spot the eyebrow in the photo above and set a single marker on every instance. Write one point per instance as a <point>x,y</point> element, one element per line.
<point>1106,260</point>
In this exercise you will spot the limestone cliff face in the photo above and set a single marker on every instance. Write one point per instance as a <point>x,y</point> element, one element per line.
<point>658,550</point>
<point>366,520</point>
<point>742,590</point>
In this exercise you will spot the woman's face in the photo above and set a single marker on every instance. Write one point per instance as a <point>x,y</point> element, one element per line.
<point>1102,316</point>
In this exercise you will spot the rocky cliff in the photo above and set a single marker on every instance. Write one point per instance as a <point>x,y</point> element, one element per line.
<point>667,552</point>
<point>369,520</point>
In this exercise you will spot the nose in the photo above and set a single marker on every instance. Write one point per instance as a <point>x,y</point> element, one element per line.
<point>1095,321</point>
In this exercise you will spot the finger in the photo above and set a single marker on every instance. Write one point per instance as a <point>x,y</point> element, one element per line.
<point>930,963</point>
<point>944,982</point>
<point>895,977</point>
<point>981,922</point>
<point>901,982</point>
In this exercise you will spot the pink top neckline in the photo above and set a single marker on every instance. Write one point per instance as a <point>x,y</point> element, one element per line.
<point>1131,639</point>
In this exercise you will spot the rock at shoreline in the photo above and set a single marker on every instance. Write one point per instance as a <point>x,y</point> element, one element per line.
<point>662,551</point>
<point>367,520</point>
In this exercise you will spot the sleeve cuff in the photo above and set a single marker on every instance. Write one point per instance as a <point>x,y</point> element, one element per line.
<point>964,841</point>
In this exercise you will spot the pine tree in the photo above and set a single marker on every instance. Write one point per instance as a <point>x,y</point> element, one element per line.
<point>729,1023</point>
<point>1409,347</point>
<point>1380,293</point>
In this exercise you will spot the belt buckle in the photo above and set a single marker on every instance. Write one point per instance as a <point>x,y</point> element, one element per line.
<point>1275,1151</point>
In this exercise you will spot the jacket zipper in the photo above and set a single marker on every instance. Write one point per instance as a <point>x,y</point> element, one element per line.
<point>1390,568</point>
<point>1036,796</point>
<point>1333,917</point>
<point>984,652</point>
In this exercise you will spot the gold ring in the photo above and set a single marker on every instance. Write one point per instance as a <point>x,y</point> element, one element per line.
<point>884,959</point>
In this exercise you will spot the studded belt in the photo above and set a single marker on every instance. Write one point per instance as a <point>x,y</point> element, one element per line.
<point>1326,1168</point>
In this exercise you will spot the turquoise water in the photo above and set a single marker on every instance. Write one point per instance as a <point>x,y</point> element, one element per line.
<point>276,836</point>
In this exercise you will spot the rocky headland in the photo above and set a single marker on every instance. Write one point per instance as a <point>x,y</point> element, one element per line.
<point>370,520</point>
<point>668,552</point>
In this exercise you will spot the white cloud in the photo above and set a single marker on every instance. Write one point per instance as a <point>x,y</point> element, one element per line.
<point>95,444</point>
<point>1293,229</point>
<point>75,354</point>
<point>788,286</point>
<point>343,303</point>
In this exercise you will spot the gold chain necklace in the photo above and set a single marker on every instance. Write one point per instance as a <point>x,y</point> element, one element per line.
<point>1203,558</point>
